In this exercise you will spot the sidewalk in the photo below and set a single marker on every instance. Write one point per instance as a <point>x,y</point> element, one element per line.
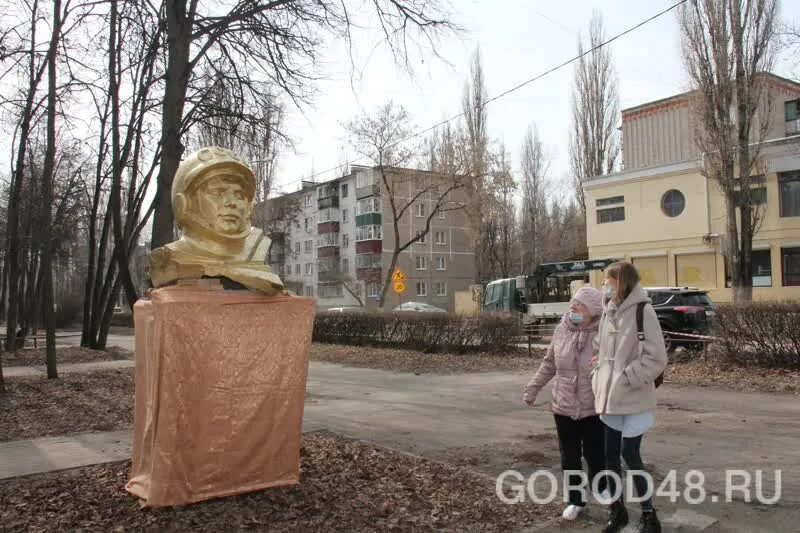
<point>72,368</point>
<point>50,454</point>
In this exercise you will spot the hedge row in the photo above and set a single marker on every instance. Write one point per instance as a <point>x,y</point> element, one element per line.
<point>759,334</point>
<point>428,332</point>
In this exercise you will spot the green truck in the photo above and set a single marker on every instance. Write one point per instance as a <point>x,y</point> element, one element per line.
<point>544,296</point>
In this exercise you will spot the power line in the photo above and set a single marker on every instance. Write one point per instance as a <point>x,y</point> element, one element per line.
<point>504,93</point>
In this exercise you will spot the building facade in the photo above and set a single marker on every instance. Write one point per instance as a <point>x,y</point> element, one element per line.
<point>663,215</point>
<point>336,239</point>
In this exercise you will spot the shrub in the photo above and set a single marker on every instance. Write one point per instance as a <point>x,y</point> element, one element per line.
<point>428,332</point>
<point>759,334</point>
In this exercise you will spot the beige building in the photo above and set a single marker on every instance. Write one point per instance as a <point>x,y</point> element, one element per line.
<point>336,239</point>
<point>665,217</point>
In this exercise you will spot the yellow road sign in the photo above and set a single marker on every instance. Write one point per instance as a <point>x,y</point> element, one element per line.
<point>398,275</point>
<point>399,287</point>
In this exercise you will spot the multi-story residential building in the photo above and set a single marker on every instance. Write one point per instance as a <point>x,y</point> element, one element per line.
<point>660,212</point>
<point>336,239</point>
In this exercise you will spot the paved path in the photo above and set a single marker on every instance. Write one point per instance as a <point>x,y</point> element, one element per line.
<point>69,368</point>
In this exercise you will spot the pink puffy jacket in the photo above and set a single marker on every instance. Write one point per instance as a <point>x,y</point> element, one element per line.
<point>567,363</point>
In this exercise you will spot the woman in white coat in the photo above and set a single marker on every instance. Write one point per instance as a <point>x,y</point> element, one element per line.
<point>623,383</point>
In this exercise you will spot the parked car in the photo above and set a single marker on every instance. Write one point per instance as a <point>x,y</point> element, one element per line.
<point>345,310</point>
<point>418,307</point>
<point>682,310</point>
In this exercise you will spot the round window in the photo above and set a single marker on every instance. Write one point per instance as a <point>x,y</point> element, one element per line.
<point>673,202</point>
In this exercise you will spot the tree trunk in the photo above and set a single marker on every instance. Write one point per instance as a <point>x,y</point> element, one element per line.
<point>48,180</point>
<point>179,37</point>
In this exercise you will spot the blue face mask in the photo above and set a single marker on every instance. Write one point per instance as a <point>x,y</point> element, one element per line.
<point>576,318</point>
<point>608,291</point>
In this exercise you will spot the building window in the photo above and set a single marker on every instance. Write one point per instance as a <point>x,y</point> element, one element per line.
<point>297,247</point>
<point>345,240</point>
<point>420,210</point>
<point>421,262</point>
<point>328,239</point>
<point>762,268</point>
<point>441,263</point>
<point>673,203</point>
<point>790,261</point>
<point>422,288</point>
<point>441,288</point>
<point>791,110</point>
<point>309,246</point>
<point>368,261</point>
<point>441,214</point>
<point>758,192</point>
<point>344,190</point>
<point>441,237</point>
<point>344,215</point>
<point>614,214</point>
<point>789,187</point>
<point>328,214</point>
<point>373,290</point>
<point>307,224</point>
<point>309,268</point>
<point>297,269</point>
<point>308,290</point>
<point>368,205</point>
<point>345,265</point>
<point>367,233</point>
<point>614,200</point>
<point>307,200</point>
<point>421,234</point>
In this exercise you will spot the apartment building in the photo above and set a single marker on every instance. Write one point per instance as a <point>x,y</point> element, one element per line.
<point>660,212</point>
<point>335,240</point>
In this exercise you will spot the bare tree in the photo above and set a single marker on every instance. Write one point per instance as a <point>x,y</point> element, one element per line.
<point>594,142</point>
<point>380,137</point>
<point>476,132</point>
<point>34,69</point>
<point>500,220</point>
<point>727,45</point>
<point>534,201</point>
<point>276,40</point>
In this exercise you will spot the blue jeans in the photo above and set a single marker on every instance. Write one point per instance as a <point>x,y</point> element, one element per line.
<point>628,448</point>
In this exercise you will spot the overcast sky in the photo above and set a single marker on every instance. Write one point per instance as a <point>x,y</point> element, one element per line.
<point>518,39</point>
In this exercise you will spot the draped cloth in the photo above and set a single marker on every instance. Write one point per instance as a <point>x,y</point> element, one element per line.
<point>220,388</point>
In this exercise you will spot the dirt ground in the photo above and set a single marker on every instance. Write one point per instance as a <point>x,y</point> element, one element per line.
<point>711,372</point>
<point>74,403</point>
<point>345,485</point>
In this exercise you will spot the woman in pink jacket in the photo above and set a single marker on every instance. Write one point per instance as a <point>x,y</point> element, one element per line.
<point>567,363</point>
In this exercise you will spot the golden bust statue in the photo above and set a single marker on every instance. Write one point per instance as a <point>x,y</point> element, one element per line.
<point>212,198</point>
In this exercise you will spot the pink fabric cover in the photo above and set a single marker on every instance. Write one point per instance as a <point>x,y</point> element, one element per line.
<point>220,388</point>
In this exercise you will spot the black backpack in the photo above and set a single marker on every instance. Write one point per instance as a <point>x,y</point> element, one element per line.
<point>640,331</point>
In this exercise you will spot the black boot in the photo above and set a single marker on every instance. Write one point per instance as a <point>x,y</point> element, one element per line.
<point>649,523</point>
<point>617,517</point>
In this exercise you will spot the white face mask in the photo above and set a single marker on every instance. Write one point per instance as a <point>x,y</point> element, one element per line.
<point>576,318</point>
<point>608,291</point>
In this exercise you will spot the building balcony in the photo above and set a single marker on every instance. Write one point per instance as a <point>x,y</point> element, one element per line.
<point>274,258</point>
<point>328,202</point>
<point>370,219</point>
<point>369,247</point>
<point>334,274</point>
<point>370,275</point>
<point>328,227</point>
<point>369,190</point>
<point>328,251</point>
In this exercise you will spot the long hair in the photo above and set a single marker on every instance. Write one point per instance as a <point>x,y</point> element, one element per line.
<point>626,276</point>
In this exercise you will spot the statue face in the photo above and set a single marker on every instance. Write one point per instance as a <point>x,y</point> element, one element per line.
<point>223,205</point>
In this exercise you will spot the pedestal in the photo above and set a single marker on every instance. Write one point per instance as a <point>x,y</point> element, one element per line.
<point>220,388</point>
